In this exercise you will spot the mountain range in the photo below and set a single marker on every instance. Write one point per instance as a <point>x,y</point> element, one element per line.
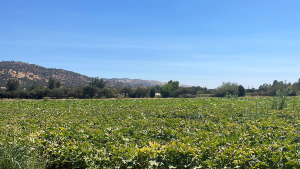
<point>28,73</point>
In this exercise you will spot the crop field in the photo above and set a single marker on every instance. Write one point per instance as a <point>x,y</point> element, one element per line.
<point>156,133</point>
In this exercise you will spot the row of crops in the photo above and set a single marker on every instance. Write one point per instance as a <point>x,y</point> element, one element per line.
<point>156,133</point>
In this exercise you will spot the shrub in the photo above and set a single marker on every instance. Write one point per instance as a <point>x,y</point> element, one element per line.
<point>226,88</point>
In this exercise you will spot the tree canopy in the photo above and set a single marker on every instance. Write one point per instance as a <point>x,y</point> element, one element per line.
<point>12,84</point>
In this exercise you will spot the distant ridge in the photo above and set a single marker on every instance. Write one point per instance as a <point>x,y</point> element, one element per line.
<point>28,73</point>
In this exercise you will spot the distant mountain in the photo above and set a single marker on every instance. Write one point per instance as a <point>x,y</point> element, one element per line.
<point>137,82</point>
<point>28,73</point>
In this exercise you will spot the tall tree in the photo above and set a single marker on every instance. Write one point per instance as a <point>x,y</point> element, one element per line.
<point>175,84</point>
<point>126,91</point>
<point>265,87</point>
<point>275,82</point>
<point>35,85</point>
<point>53,83</point>
<point>141,92</point>
<point>12,84</point>
<point>166,90</point>
<point>99,83</point>
<point>152,92</point>
<point>241,91</point>
<point>57,84</point>
<point>91,91</point>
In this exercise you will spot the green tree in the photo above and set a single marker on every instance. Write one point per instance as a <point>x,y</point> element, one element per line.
<point>241,91</point>
<point>141,92</point>
<point>39,92</point>
<point>12,84</point>
<point>90,91</point>
<point>166,90</point>
<point>99,83</point>
<point>2,94</point>
<point>52,83</point>
<point>57,84</point>
<point>152,92</point>
<point>107,93</point>
<point>175,84</point>
<point>157,88</point>
<point>278,86</point>
<point>265,87</point>
<point>79,92</point>
<point>226,88</point>
<point>35,85</point>
<point>58,93</point>
<point>126,91</point>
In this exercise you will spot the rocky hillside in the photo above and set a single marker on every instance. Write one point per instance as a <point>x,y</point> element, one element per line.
<point>28,73</point>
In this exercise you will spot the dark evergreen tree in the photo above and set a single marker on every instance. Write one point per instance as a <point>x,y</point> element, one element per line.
<point>57,84</point>
<point>35,85</point>
<point>152,92</point>
<point>52,83</point>
<point>90,91</point>
<point>126,91</point>
<point>12,84</point>
<point>175,84</point>
<point>241,91</point>
<point>141,92</point>
<point>79,92</point>
<point>99,83</point>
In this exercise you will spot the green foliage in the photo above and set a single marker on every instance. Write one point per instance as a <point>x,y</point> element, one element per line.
<point>265,87</point>
<point>227,88</point>
<point>35,85</point>
<point>126,91</point>
<point>141,92</point>
<point>39,92</point>
<point>175,84</point>
<point>150,133</point>
<point>280,101</point>
<point>184,92</point>
<point>152,92</point>
<point>53,83</point>
<point>89,91</point>
<point>241,91</point>
<point>20,94</point>
<point>14,156</point>
<point>107,93</point>
<point>167,89</point>
<point>2,94</point>
<point>78,93</point>
<point>99,83</point>
<point>278,86</point>
<point>12,84</point>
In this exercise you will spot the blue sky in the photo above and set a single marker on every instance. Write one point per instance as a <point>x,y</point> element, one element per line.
<point>201,43</point>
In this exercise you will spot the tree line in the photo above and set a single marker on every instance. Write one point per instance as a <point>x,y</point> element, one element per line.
<point>98,89</point>
<point>95,89</point>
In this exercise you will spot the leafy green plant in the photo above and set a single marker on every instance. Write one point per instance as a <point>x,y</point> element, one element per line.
<point>15,156</point>
<point>280,101</point>
<point>151,133</point>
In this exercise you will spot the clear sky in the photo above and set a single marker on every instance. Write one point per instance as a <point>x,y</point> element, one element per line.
<point>201,43</point>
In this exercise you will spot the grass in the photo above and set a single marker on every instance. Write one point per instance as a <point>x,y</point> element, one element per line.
<point>15,156</point>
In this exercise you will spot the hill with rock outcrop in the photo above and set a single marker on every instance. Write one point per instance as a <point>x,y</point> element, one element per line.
<point>27,74</point>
